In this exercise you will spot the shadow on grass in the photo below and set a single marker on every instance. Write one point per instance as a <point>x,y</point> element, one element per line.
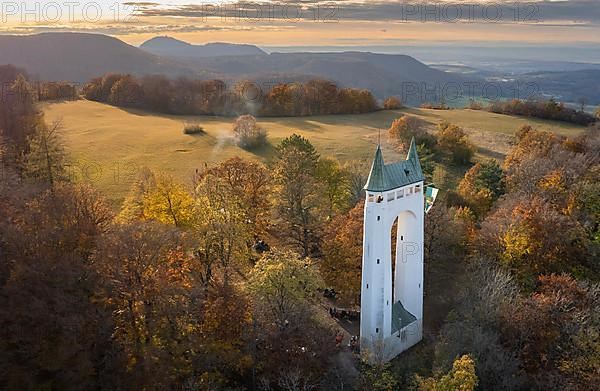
<point>196,135</point>
<point>309,124</point>
<point>138,112</point>
<point>60,100</point>
<point>488,153</point>
<point>266,151</point>
<point>378,119</point>
<point>381,119</point>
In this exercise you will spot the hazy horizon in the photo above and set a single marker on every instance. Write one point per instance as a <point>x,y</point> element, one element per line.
<point>318,24</point>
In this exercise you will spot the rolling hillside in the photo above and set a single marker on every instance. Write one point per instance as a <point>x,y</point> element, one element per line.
<point>79,57</point>
<point>110,145</point>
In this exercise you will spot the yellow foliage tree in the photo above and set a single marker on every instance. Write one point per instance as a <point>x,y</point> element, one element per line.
<point>283,283</point>
<point>462,377</point>
<point>169,202</point>
<point>159,197</point>
<point>518,243</point>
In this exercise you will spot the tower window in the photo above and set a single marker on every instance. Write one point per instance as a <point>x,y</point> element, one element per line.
<point>390,196</point>
<point>418,189</point>
<point>377,330</point>
<point>378,261</point>
<point>401,237</point>
<point>371,198</point>
<point>367,286</point>
<point>378,218</point>
<point>400,194</point>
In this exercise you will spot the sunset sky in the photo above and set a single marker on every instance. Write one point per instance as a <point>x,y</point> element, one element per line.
<point>314,23</point>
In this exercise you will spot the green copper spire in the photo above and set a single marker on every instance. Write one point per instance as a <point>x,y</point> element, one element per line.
<point>413,156</point>
<point>384,177</point>
<point>376,179</point>
<point>412,151</point>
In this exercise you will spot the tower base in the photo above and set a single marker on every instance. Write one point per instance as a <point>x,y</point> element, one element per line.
<point>377,350</point>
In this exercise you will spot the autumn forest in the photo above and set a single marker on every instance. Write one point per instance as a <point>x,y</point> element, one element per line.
<point>224,282</point>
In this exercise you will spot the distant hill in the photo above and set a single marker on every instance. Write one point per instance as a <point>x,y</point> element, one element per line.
<point>79,57</point>
<point>567,86</point>
<point>383,74</point>
<point>167,46</point>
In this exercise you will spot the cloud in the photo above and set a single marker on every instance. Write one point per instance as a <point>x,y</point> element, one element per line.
<point>448,11</point>
<point>121,29</point>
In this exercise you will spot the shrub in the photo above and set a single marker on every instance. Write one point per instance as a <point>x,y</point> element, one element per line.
<point>453,140</point>
<point>474,105</point>
<point>392,103</point>
<point>191,128</point>
<point>248,134</point>
<point>545,109</point>
<point>403,129</point>
<point>435,106</point>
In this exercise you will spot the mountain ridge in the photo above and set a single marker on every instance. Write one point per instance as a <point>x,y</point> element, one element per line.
<point>79,57</point>
<point>168,46</point>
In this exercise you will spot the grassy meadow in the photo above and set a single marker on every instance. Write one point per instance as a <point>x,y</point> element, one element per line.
<point>109,145</point>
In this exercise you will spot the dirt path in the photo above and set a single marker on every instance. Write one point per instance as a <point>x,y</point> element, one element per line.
<point>346,362</point>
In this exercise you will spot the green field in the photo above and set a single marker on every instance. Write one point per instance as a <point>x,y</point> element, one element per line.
<point>109,145</point>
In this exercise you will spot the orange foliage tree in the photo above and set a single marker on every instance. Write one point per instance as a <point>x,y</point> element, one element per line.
<point>482,185</point>
<point>555,332</point>
<point>454,141</point>
<point>392,103</point>
<point>342,254</point>
<point>403,129</point>
<point>531,237</point>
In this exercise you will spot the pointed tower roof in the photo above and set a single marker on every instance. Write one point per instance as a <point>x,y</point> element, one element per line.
<point>376,177</point>
<point>413,156</point>
<point>412,151</point>
<point>384,177</point>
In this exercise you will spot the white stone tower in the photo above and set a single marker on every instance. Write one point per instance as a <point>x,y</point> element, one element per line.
<point>391,315</point>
